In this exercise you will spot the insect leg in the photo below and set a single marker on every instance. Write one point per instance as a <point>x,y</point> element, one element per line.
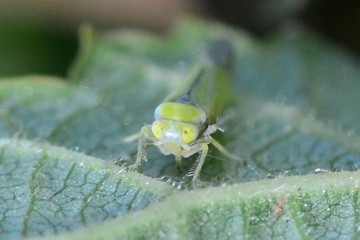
<point>131,138</point>
<point>141,154</point>
<point>178,161</point>
<point>203,148</point>
<point>223,150</point>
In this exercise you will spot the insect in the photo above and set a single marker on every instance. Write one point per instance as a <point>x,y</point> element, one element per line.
<point>184,121</point>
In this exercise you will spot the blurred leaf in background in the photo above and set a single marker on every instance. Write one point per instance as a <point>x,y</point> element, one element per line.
<point>29,49</point>
<point>39,36</point>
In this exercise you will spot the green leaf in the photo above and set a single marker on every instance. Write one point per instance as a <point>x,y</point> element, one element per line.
<point>293,112</point>
<point>47,189</point>
<point>298,208</point>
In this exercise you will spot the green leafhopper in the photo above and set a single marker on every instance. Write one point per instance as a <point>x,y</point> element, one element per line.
<point>184,121</point>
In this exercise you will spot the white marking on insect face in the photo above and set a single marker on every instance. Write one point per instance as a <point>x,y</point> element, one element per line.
<point>171,134</point>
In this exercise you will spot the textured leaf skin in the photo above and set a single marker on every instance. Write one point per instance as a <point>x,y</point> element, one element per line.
<point>295,209</point>
<point>46,189</point>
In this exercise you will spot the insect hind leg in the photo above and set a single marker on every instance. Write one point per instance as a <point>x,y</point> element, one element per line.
<point>224,151</point>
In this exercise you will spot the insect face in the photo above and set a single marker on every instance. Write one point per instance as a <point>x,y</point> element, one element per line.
<point>174,131</point>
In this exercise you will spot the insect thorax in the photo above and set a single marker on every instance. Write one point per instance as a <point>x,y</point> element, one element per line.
<point>181,112</point>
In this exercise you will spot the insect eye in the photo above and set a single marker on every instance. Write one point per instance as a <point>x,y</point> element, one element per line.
<point>157,128</point>
<point>189,134</point>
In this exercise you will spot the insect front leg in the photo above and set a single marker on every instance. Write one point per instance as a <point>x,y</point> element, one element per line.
<point>141,154</point>
<point>203,149</point>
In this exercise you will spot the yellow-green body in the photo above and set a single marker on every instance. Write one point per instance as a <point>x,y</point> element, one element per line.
<point>184,122</point>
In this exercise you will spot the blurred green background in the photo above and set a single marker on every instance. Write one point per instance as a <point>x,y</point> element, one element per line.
<point>40,37</point>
